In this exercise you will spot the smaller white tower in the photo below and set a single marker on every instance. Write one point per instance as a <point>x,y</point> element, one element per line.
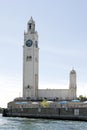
<point>72,85</point>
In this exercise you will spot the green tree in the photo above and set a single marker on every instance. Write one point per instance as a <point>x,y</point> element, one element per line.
<point>82,98</point>
<point>44,104</point>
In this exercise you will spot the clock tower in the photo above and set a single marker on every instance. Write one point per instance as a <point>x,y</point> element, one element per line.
<point>30,61</point>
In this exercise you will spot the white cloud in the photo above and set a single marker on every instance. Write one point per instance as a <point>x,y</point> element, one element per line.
<point>10,88</point>
<point>65,51</point>
<point>53,86</point>
<point>82,89</point>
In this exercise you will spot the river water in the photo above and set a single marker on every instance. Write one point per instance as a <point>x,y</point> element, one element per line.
<point>10,123</point>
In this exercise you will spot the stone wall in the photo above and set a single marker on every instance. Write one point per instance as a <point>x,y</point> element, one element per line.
<point>51,113</point>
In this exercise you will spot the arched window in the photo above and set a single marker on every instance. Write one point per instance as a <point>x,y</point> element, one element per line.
<point>29,26</point>
<point>28,58</point>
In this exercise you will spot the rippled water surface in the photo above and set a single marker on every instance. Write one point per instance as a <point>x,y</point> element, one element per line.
<point>10,123</point>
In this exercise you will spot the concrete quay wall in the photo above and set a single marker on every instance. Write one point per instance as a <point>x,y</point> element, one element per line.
<point>48,113</point>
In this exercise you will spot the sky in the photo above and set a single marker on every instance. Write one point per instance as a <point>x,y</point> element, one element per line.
<point>62,30</point>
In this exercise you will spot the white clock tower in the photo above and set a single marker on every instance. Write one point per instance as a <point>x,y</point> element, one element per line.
<point>30,61</point>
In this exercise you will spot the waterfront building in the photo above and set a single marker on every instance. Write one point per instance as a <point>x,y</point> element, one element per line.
<point>31,70</point>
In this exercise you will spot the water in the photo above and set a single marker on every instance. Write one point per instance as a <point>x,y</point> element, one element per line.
<point>10,123</point>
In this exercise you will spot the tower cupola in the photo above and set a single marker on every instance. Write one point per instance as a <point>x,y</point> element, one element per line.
<point>31,25</point>
<point>72,71</point>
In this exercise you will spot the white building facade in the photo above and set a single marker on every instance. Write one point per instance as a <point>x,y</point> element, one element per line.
<point>31,70</point>
<point>61,94</point>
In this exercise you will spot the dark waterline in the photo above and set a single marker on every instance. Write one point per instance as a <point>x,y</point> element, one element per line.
<point>10,123</point>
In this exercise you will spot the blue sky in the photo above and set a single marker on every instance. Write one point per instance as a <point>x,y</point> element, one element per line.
<point>62,29</point>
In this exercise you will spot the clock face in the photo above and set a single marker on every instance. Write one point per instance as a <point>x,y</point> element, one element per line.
<point>29,43</point>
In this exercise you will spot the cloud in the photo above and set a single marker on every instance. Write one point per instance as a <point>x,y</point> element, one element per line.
<point>65,51</point>
<point>10,88</point>
<point>44,85</point>
<point>82,89</point>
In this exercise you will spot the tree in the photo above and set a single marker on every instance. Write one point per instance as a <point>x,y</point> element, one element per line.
<point>82,98</point>
<point>44,104</point>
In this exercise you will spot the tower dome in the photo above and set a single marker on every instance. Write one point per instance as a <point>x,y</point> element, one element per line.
<point>72,71</point>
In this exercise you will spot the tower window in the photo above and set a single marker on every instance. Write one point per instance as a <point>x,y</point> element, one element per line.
<point>28,86</point>
<point>36,45</point>
<point>29,26</point>
<point>28,58</point>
